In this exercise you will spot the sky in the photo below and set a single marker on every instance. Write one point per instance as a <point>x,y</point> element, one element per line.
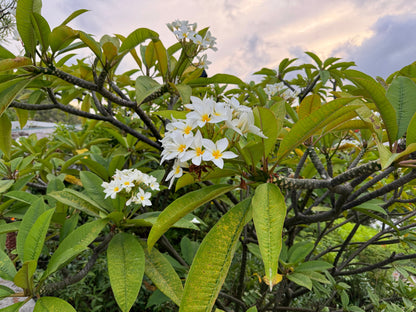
<point>378,35</point>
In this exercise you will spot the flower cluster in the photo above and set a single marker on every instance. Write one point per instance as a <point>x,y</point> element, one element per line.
<point>131,183</point>
<point>192,139</point>
<point>184,31</point>
<point>281,90</point>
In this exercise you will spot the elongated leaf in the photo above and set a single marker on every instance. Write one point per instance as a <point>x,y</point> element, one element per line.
<point>5,135</point>
<point>78,201</point>
<point>307,126</point>
<point>301,279</point>
<point>91,43</point>
<point>35,239</point>
<point>92,184</point>
<point>162,274</point>
<point>13,308</point>
<point>402,95</point>
<point>7,269</point>
<point>161,57</point>
<point>74,244</point>
<point>315,58</point>
<point>5,54</point>
<point>182,206</point>
<point>32,214</point>
<point>411,131</point>
<point>22,196</point>
<point>24,10</point>
<point>24,277</point>
<point>10,227</point>
<point>267,122</point>
<point>126,262</point>
<point>377,93</point>
<point>168,114</point>
<point>10,90</point>
<point>145,86</point>
<point>213,259</point>
<point>5,292</point>
<point>269,212</point>
<point>13,63</point>
<point>61,37</point>
<point>309,104</point>
<point>42,30</point>
<point>218,78</point>
<point>315,265</point>
<point>52,304</point>
<point>136,37</point>
<point>73,15</point>
<point>299,251</point>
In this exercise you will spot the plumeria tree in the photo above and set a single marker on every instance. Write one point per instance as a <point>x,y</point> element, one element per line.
<point>292,194</point>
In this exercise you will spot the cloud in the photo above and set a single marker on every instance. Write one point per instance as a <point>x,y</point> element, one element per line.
<point>391,47</point>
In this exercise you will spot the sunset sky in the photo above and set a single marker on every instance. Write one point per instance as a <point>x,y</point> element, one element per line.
<point>379,35</point>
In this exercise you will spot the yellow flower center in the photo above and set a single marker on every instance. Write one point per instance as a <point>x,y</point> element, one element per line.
<point>217,154</point>
<point>199,151</point>
<point>205,118</point>
<point>178,170</point>
<point>181,148</point>
<point>116,189</point>
<point>187,129</point>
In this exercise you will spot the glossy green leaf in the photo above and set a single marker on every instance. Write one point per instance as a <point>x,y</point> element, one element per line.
<point>299,251</point>
<point>185,93</point>
<point>269,212</point>
<point>78,201</point>
<point>13,308</point>
<point>7,268</point>
<point>5,291</point>
<point>300,279</point>
<point>10,227</point>
<point>61,37</point>
<point>161,57</point>
<point>136,37</point>
<point>76,242</point>
<point>213,259</point>
<point>35,239</point>
<point>52,304</point>
<point>315,58</point>
<point>5,135</point>
<point>12,63</point>
<point>24,277</point>
<point>267,122</point>
<point>73,15</point>
<point>168,114</point>
<point>150,219</point>
<point>5,54</point>
<point>24,10</point>
<point>411,131</point>
<point>307,126</point>
<point>42,30</point>
<point>402,96</point>
<point>22,196</point>
<point>145,86</point>
<point>182,206</point>
<point>378,95</point>
<point>32,214</point>
<point>126,263</point>
<point>162,274</point>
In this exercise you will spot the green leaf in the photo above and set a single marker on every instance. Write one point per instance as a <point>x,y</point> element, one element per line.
<point>301,280</point>
<point>73,15</point>
<point>314,265</point>
<point>315,58</point>
<point>5,135</point>
<point>78,201</point>
<point>136,37</point>
<point>5,54</point>
<point>308,105</point>
<point>76,242</point>
<point>12,63</point>
<point>307,126</point>
<point>5,291</point>
<point>126,263</point>
<point>61,37</point>
<point>371,206</point>
<point>29,219</point>
<point>402,96</point>
<point>10,90</point>
<point>377,93</point>
<point>35,239</point>
<point>52,304</point>
<point>185,93</point>
<point>411,131</point>
<point>24,277</point>
<point>162,58</point>
<point>92,185</point>
<point>267,122</point>
<point>213,259</point>
<point>145,86</point>
<point>42,30</point>
<point>162,274</point>
<point>7,268</point>
<point>22,196</point>
<point>168,114</point>
<point>299,251</point>
<point>13,308</point>
<point>269,212</point>
<point>5,185</point>
<point>218,78</point>
<point>10,227</point>
<point>91,43</point>
<point>252,309</point>
<point>182,206</point>
<point>24,10</point>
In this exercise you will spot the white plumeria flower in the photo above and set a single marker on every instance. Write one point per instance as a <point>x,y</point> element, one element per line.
<point>184,126</point>
<point>203,62</point>
<point>195,221</point>
<point>111,188</point>
<point>176,172</point>
<point>196,150</point>
<point>221,112</point>
<point>215,152</point>
<point>176,148</point>
<point>152,183</point>
<point>202,110</point>
<point>143,198</point>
